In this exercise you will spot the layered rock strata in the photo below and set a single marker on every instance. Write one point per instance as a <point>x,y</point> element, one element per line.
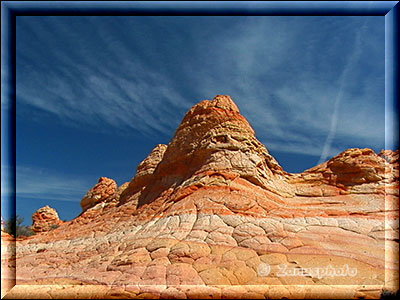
<point>212,214</point>
<point>45,219</point>
<point>7,261</point>
<point>104,191</point>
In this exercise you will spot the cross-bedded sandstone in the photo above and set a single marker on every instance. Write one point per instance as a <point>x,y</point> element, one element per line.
<point>105,190</point>
<point>212,214</point>
<point>45,219</point>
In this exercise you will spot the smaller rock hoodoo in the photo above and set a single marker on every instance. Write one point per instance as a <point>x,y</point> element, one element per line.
<point>45,219</point>
<point>105,190</point>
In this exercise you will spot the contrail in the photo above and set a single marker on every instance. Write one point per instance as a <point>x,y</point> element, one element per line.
<point>352,59</point>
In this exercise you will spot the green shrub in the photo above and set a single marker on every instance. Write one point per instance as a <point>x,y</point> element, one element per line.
<point>13,226</point>
<point>54,226</point>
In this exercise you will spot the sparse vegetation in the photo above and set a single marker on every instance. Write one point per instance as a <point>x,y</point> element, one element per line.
<point>13,226</point>
<point>54,226</point>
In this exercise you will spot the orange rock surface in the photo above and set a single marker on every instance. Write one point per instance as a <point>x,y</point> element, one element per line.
<point>7,261</point>
<point>105,190</point>
<point>213,215</point>
<point>45,219</point>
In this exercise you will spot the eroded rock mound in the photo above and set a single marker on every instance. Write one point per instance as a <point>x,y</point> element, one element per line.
<point>356,166</point>
<point>212,214</point>
<point>105,190</point>
<point>144,175</point>
<point>355,171</point>
<point>45,219</point>
<point>213,136</point>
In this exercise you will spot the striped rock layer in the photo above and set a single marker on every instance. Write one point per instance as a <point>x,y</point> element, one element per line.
<point>212,214</point>
<point>45,219</point>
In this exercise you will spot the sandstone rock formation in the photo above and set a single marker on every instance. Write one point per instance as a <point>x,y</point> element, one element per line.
<point>212,214</point>
<point>143,176</point>
<point>105,190</point>
<point>7,261</point>
<point>45,219</point>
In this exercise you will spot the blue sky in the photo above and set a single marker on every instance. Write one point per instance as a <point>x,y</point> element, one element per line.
<point>96,94</point>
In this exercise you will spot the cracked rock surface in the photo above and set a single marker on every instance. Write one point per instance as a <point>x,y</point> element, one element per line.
<point>213,215</point>
<point>45,219</point>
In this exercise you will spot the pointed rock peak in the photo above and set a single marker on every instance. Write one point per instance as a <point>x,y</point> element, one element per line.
<point>224,102</point>
<point>208,126</point>
<point>212,137</point>
<point>144,174</point>
<point>148,165</point>
<point>221,108</point>
<point>219,101</point>
<point>209,120</point>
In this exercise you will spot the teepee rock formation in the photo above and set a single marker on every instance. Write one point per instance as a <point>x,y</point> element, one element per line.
<point>212,139</point>
<point>212,214</point>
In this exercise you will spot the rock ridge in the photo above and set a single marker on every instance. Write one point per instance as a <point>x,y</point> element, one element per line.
<point>212,214</point>
<point>212,137</point>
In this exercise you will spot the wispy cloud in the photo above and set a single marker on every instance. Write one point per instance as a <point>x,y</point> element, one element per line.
<point>39,183</point>
<point>289,76</point>
<point>91,85</point>
<point>287,80</point>
<point>352,60</point>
